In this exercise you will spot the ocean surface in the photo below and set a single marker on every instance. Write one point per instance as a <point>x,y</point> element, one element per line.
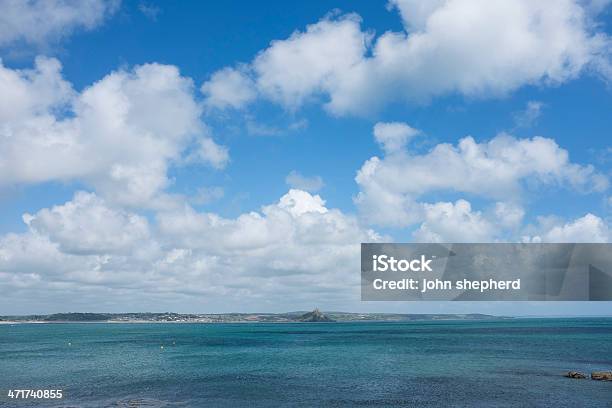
<point>502,363</point>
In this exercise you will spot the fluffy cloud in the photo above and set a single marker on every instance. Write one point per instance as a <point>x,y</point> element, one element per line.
<point>86,225</point>
<point>208,151</point>
<point>589,228</point>
<point>32,92</point>
<point>293,221</point>
<point>295,249</point>
<point>393,188</point>
<point>296,252</point>
<point>495,169</point>
<point>472,47</point>
<point>508,215</point>
<point>453,222</point>
<point>458,222</point>
<point>229,88</point>
<point>298,181</point>
<point>292,70</point>
<point>393,136</point>
<point>118,135</point>
<point>40,21</point>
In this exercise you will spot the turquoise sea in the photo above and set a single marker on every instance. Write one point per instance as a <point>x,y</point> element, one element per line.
<point>501,363</point>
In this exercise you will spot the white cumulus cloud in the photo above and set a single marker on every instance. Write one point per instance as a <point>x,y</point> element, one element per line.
<point>41,21</point>
<point>589,228</point>
<point>453,222</point>
<point>229,88</point>
<point>293,252</point>
<point>496,169</point>
<point>119,135</point>
<point>478,48</point>
<point>393,136</point>
<point>86,225</point>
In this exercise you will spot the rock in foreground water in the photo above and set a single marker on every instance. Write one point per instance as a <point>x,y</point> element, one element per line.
<point>601,375</point>
<point>575,374</point>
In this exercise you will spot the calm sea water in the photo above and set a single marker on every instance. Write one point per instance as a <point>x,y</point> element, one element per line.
<point>459,363</point>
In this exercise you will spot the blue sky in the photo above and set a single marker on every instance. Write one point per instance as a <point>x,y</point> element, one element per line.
<point>197,222</point>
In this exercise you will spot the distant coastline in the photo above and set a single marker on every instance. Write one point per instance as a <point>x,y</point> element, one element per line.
<point>289,317</point>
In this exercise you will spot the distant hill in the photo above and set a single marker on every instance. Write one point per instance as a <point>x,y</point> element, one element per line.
<point>289,317</point>
<point>77,317</point>
<point>315,316</point>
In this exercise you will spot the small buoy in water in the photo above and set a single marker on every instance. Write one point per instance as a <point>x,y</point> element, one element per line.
<point>161,347</point>
<point>69,343</point>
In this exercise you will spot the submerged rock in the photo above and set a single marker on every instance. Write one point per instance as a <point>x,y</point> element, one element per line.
<point>601,375</point>
<point>575,374</point>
